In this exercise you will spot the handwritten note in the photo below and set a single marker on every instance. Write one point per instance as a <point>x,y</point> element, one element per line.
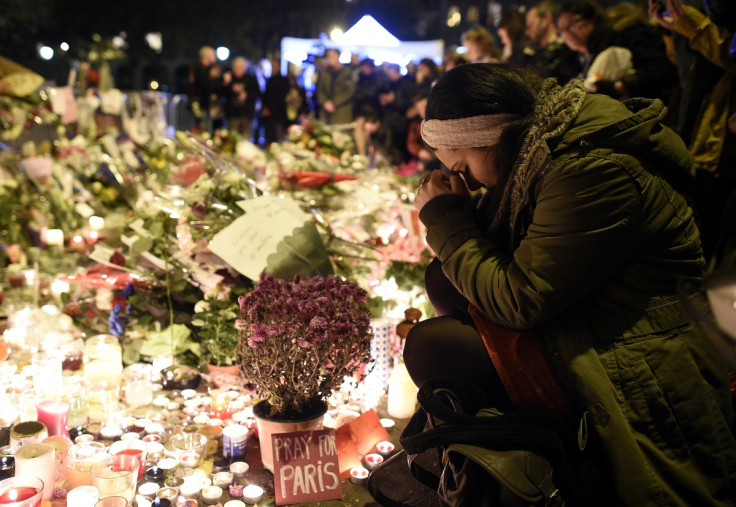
<point>250,239</point>
<point>305,467</point>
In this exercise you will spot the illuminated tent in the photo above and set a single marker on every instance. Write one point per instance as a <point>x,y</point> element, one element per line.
<point>366,38</point>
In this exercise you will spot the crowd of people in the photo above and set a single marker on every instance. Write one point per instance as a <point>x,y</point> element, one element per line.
<point>623,52</point>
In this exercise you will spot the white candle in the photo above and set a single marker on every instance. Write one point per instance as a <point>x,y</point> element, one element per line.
<point>252,493</point>
<point>96,223</point>
<point>402,393</point>
<point>37,460</point>
<point>54,237</point>
<point>148,489</point>
<point>234,503</point>
<point>82,496</point>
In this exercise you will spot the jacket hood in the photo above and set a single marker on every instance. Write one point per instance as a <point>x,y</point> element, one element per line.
<point>634,127</point>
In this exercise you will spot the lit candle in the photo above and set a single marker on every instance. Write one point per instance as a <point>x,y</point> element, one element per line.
<point>148,489</point>
<point>21,492</point>
<point>388,423</point>
<point>82,496</point>
<point>77,243</point>
<point>189,459</point>
<point>222,479</point>
<point>358,475</point>
<point>234,503</point>
<point>79,460</point>
<point>402,393</point>
<point>372,460</point>
<point>211,495</point>
<point>168,493</point>
<point>168,465</point>
<point>385,448</point>
<point>54,237</point>
<point>37,460</point>
<point>54,414</point>
<point>96,223</point>
<point>252,493</point>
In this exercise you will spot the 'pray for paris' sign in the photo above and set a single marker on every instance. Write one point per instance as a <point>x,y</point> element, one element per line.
<point>305,467</point>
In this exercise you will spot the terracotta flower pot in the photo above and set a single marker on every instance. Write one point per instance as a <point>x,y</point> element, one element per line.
<point>224,376</point>
<point>268,426</point>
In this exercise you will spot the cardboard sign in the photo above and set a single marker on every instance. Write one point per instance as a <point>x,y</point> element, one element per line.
<point>347,453</point>
<point>247,243</point>
<point>366,431</point>
<point>305,467</point>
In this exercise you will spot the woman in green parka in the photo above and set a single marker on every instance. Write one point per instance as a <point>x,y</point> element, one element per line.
<point>583,235</point>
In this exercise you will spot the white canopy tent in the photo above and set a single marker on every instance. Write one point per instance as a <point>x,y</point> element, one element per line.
<point>366,38</point>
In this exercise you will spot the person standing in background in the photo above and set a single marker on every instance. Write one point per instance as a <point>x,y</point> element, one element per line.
<point>241,93</point>
<point>335,90</point>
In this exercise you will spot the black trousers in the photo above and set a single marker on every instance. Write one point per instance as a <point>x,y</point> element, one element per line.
<point>449,346</point>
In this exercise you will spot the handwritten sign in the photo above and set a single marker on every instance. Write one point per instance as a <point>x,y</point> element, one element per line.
<point>306,467</point>
<point>247,243</point>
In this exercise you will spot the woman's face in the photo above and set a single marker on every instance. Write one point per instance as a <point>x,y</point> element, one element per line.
<point>474,164</point>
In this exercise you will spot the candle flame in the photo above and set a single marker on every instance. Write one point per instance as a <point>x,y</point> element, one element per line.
<point>13,494</point>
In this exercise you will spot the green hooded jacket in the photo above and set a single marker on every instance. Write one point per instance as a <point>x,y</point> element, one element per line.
<point>600,240</point>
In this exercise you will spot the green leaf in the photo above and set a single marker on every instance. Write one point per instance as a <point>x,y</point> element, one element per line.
<point>156,229</point>
<point>142,245</point>
<point>161,342</point>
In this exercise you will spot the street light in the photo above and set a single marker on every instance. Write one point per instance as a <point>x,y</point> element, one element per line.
<point>46,52</point>
<point>223,53</point>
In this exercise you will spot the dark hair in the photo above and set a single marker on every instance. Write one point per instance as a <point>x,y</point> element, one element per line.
<point>489,88</point>
<point>434,71</point>
<point>514,21</point>
<point>586,9</point>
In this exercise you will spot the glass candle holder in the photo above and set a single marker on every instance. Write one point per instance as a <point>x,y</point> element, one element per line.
<point>7,467</point>
<point>22,491</point>
<point>137,385</point>
<point>190,448</point>
<point>47,374</point>
<point>103,359</point>
<point>112,501</point>
<point>79,461</point>
<point>116,476</point>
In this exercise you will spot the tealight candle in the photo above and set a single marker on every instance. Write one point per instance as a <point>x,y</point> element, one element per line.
<point>161,401</point>
<point>189,393</point>
<point>143,501</point>
<point>212,495</point>
<point>155,475</point>
<point>388,423</point>
<point>148,489</point>
<point>84,438</point>
<point>188,502</point>
<point>189,459</point>
<point>82,496</point>
<point>239,469</point>
<point>155,448</point>
<point>152,438</point>
<point>96,223</point>
<point>234,503</point>
<point>155,455</point>
<point>112,432</point>
<point>222,479</point>
<point>372,460</point>
<point>359,475</point>
<point>168,465</point>
<point>155,428</point>
<point>168,493</point>
<point>54,237</point>
<point>385,448</point>
<point>131,435</point>
<point>190,489</point>
<point>252,493</point>
<point>174,482</point>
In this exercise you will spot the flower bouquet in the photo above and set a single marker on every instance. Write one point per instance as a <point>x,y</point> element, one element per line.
<point>300,338</point>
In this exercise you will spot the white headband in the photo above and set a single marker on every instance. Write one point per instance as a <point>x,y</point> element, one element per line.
<point>471,132</point>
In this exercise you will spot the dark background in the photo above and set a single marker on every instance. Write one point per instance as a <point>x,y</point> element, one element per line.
<point>250,28</point>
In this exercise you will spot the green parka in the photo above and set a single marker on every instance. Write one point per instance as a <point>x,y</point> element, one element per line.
<point>598,243</point>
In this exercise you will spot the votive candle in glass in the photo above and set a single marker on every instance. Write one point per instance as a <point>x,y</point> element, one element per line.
<point>25,491</point>
<point>82,496</point>
<point>79,460</point>
<point>113,501</point>
<point>103,359</point>
<point>116,476</point>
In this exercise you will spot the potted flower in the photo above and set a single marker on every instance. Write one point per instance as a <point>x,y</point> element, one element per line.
<point>298,340</point>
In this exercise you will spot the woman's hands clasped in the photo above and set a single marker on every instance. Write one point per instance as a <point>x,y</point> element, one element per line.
<point>438,183</point>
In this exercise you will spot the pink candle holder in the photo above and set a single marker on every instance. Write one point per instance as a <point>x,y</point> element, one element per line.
<point>55,415</point>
